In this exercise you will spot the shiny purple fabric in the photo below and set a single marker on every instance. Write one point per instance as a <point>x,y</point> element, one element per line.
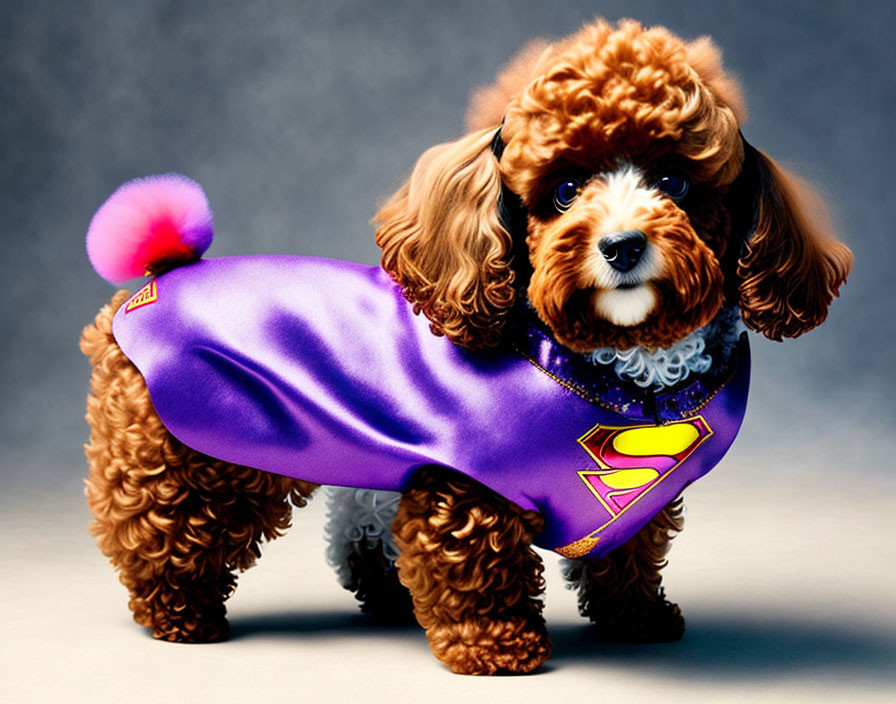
<point>319,370</point>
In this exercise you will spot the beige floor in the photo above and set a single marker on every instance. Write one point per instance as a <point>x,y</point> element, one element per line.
<point>789,596</point>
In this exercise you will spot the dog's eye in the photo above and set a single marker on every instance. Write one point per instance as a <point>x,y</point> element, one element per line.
<point>673,185</point>
<point>565,193</point>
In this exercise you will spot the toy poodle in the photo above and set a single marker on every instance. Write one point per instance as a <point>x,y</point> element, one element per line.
<point>551,351</point>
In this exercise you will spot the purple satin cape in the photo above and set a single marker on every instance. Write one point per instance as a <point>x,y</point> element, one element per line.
<point>319,369</point>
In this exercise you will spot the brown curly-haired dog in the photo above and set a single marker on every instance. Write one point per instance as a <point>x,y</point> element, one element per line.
<point>605,183</point>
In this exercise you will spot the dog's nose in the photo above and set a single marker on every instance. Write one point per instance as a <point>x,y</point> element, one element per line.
<point>623,250</point>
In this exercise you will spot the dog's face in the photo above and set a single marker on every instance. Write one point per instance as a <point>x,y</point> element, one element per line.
<point>644,210</point>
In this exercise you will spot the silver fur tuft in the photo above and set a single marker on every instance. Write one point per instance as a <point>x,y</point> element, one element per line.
<point>668,366</point>
<point>357,517</point>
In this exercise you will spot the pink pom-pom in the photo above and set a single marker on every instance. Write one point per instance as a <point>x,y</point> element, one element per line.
<point>148,222</point>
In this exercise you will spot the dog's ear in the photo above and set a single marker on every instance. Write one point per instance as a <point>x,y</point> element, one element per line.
<point>791,267</point>
<point>444,243</point>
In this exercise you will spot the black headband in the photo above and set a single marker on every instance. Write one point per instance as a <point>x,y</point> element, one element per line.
<point>743,204</point>
<point>498,144</point>
<point>510,208</point>
<point>513,217</point>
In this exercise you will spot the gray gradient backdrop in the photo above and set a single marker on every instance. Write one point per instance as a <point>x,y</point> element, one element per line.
<point>299,117</point>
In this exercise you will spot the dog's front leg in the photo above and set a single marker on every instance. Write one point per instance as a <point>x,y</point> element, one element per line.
<point>621,592</point>
<point>466,558</point>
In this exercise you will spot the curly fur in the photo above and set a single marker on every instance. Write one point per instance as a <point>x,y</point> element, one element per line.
<point>362,550</point>
<point>450,253</point>
<point>621,593</point>
<point>475,579</point>
<point>178,524</point>
<point>690,287</point>
<point>610,92</point>
<point>174,522</point>
<point>581,105</point>
<point>358,519</point>
<point>665,367</point>
<point>793,268</point>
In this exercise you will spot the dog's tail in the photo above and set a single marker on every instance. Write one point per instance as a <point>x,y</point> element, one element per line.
<point>149,225</point>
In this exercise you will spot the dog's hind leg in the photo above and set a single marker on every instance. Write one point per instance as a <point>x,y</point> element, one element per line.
<point>467,559</point>
<point>363,552</point>
<point>176,524</point>
<point>622,593</point>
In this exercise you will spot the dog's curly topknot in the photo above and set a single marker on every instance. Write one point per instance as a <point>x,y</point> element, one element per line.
<point>623,92</point>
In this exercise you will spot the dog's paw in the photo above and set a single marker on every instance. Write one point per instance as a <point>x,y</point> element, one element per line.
<point>657,621</point>
<point>489,647</point>
<point>191,631</point>
<point>376,586</point>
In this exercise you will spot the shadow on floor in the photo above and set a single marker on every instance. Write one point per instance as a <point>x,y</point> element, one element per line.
<point>732,646</point>
<point>714,647</point>
<point>303,624</point>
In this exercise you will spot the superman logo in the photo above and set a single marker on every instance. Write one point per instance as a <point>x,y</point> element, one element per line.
<point>631,461</point>
<point>634,459</point>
